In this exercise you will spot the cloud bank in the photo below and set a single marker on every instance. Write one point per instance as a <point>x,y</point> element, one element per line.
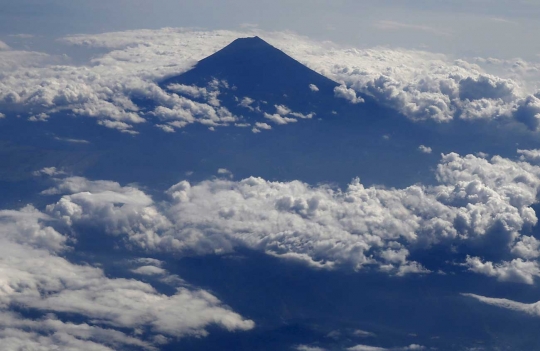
<point>420,85</point>
<point>35,277</point>
<point>359,227</point>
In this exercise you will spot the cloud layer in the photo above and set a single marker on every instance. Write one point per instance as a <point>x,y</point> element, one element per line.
<point>324,227</point>
<point>420,85</point>
<point>35,277</point>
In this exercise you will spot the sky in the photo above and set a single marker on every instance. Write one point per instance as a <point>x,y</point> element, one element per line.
<point>502,29</point>
<point>271,175</point>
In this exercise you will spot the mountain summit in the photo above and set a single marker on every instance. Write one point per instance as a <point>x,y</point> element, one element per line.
<point>258,70</point>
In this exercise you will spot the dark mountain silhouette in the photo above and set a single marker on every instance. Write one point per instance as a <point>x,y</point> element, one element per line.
<point>260,71</point>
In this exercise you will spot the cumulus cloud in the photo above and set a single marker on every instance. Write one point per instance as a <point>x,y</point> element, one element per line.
<point>348,94</point>
<point>50,333</point>
<point>263,126</point>
<point>321,226</point>
<point>517,270</point>
<point>420,85</point>
<point>285,115</point>
<point>531,156</point>
<point>425,149</point>
<point>528,112</point>
<point>225,172</point>
<point>313,88</point>
<point>35,277</point>
<point>529,308</point>
<point>246,102</point>
<point>104,88</point>
<point>278,119</point>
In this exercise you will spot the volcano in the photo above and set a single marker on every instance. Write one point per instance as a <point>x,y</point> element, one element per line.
<point>260,71</point>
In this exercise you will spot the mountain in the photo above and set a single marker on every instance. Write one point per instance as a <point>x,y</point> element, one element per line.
<point>262,72</point>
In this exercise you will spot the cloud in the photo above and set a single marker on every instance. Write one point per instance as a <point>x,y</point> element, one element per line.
<point>246,103</point>
<point>313,88</point>
<point>149,270</point>
<point>73,141</point>
<point>50,333</point>
<point>531,156</point>
<point>347,93</point>
<point>263,126</point>
<point>420,85</point>
<point>4,46</point>
<point>528,112</point>
<point>323,227</point>
<point>393,25</point>
<point>49,171</point>
<point>225,172</point>
<point>532,309</point>
<point>35,278</point>
<point>375,348</point>
<point>42,117</point>
<point>517,270</point>
<point>278,119</point>
<point>308,348</point>
<point>363,333</point>
<point>425,149</point>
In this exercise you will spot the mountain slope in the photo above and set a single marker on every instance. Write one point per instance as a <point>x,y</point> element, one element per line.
<point>260,71</point>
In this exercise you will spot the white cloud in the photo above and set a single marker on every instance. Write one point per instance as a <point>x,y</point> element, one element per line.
<point>532,308</point>
<point>347,93</point>
<point>263,126</point>
<point>209,94</point>
<point>49,171</point>
<point>421,85</point>
<point>247,102</point>
<point>517,270</point>
<point>366,348</point>
<point>531,156</point>
<point>282,110</point>
<point>527,247</point>
<point>321,226</point>
<point>42,117</point>
<point>278,119</point>
<point>4,46</point>
<point>308,348</point>
<point>425,149</point>
<point>149,270</point>
<point>225,172</point>
<point>313,88</point>
<point>73,141</point>
<point>375,348</point>
<point>49,333</point>
<point>363,333</point>
<point>35,278</point>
